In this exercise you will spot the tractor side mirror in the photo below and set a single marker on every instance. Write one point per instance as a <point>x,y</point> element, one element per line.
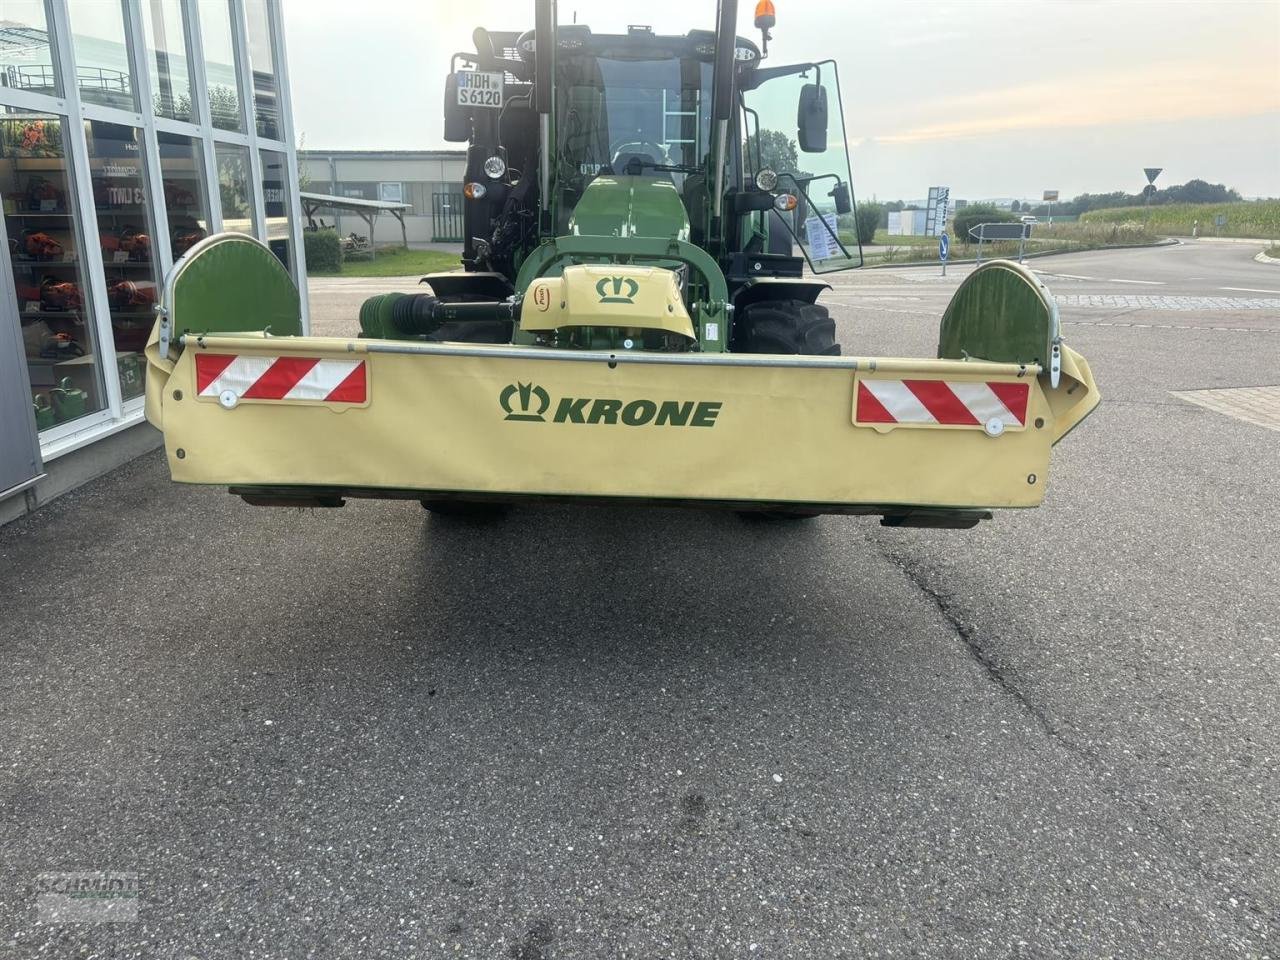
<point>811,119</point>
<point>457,119</point>
<point>841,197</point>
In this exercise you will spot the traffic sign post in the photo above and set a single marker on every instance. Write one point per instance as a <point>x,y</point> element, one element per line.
<point>1150,188</point>
<point>1049,197</point>
<point>944,249</point>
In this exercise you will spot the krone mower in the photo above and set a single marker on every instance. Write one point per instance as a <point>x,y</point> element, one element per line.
<point>634,320</point>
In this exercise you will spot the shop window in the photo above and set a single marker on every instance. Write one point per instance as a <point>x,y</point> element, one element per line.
<point>102,54</point>
<point>234,187</point>
<point>167,62</point>
<point>220,64</point>
<point>186,199</point>
<point>26,51</point>
<point>275,201</point>
<point>262,63</point>
<point>44,238</point>
<point>120,201</point>
<point>357,190</point>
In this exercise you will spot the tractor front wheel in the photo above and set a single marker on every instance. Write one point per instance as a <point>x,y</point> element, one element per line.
<point>785,326</point>
<point>789,327</point>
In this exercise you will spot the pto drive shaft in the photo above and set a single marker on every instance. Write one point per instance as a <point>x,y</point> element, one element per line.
<point>392,316</point>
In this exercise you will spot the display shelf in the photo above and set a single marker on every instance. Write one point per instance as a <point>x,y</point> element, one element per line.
<point>75,316</point>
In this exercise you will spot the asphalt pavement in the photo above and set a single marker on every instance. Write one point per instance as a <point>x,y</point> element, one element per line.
<point>603,732</point>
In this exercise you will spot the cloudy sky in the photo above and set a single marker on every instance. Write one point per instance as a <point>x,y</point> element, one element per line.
<point>991,97</point>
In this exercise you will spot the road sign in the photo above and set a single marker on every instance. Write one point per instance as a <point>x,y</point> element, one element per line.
<point>1000,231</point>
<point>936,211</point>
<point>1050,195</point>
<point>944,247</point>
<point>1220,220</point>
<point>1152,173</point>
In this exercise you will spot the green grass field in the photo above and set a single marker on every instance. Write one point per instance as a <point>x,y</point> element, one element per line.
<point>1251,218</point>
<point>1061,237</point>
<point>395,262</point>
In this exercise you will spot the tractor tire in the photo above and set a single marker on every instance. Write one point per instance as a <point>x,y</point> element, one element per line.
<point>785,326</point>
<point>788,327</point>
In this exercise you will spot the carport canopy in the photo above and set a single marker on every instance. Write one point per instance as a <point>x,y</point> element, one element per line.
<point>367,210</point>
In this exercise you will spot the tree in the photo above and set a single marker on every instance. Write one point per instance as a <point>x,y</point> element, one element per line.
<point>867,220</point>
<point>1015,206</point>
<point>777,151</point>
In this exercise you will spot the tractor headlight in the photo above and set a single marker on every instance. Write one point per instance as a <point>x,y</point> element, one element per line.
<point>495,168</point>
<point>766,180</point>
<point>784,201</point>
<point>474,191</point>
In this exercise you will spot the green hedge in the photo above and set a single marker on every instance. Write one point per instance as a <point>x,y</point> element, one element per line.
<point>324,252</point>
<point>974,214</point>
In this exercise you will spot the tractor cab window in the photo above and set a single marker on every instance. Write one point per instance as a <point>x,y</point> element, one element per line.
<point>649,117</point>
<point>795,127</point>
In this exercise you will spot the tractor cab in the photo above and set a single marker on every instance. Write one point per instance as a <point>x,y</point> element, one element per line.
<point>628,126</point>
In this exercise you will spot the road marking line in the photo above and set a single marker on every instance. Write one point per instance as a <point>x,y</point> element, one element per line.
<point>1148,283</point>
<point>1250,290</point>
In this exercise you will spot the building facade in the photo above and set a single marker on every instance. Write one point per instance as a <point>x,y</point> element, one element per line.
<point>430,181</point>
<point>129,130</point>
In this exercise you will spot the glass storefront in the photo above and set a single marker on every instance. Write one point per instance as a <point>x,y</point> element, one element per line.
<point>275,201</point>
<point>116,163</point>
<point>220,64</point>
<point>108,177</point>
<point>46,249</point>
<point>102,59</point>
<point>234,188</point>
<point>186,197</point>
<point>262,62</point>
<point>167,62</point>
<point>26,55</point>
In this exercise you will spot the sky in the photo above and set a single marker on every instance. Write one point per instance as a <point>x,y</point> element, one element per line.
<point>993,98</point>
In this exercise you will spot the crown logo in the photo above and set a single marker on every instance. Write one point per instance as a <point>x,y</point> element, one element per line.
<point>609,289</point>
<point>525,394</point>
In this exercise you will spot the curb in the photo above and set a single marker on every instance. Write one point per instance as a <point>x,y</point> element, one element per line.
<point>1263,258</point>
<point>1167,242</point>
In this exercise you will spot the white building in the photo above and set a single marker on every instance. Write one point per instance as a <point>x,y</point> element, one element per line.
<point>907,223</point>
<point>430,181</point>
<point>129,129</point>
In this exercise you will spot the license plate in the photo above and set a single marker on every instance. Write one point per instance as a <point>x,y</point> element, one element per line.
<point>477,89</point>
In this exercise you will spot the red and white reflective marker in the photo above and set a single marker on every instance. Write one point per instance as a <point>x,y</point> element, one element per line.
<point>992,405</point>
<point>231,379</point>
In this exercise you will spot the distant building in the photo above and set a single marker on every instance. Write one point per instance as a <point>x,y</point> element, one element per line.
<point>907,223</point>
<point>430,181</point>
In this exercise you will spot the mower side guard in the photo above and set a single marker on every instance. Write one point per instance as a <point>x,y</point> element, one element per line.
<point>1003,313</point>
<point>226,283</point>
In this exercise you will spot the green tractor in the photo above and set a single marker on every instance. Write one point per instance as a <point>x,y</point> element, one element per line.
<point>647,220</point>
<point>681,152</point>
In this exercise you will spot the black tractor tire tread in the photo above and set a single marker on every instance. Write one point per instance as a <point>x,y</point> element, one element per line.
<point>786,327</point>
